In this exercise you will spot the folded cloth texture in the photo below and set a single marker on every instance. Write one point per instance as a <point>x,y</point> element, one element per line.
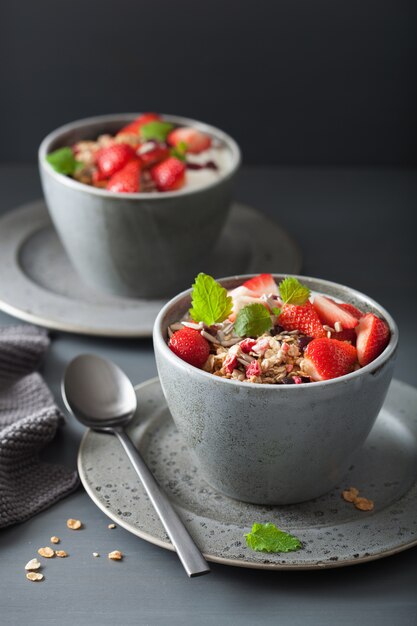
<point>29,419</point>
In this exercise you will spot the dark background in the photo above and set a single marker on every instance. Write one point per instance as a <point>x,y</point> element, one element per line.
<point>296,82</point>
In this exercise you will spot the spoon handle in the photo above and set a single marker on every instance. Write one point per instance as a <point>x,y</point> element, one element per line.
<point>193,561</point>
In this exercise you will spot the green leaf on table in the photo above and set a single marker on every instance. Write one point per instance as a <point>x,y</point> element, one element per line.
<point>253,320</point>
<point>158,131</point>
<point>63,161</point>
<point>210,302</point>
<point>293,292</point>
<point>269,538</point>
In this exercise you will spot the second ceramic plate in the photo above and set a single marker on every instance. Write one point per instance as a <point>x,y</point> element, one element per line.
<point>39,285</point>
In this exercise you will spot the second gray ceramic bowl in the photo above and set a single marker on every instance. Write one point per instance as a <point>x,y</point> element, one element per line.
<point>139,244</point>
<point>273,444</point>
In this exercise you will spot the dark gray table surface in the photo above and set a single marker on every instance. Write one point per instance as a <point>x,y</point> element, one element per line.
<point>355,227</point>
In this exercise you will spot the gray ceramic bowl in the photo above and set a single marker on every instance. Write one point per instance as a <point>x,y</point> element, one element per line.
<point>135,244</point>
<point>273,444</point>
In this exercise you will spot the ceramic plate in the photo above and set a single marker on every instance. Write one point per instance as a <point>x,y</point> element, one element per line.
<point>333,532</point>
<point>38,284</point>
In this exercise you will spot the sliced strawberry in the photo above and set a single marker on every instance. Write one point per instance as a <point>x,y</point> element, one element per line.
<point>126,180</point>
<point>169,175</point>
<point>112,158</point>
<point>350,308</point>
<point>190,346</point>
<point>330,312</point>
<point>372,338</point>
<point>134,127</point>
<point>230,363</point>
<point>328,358</point>
<point>195,140</point>
<point>302,317</point>
<point>261,284</point>
<point>156,155</point>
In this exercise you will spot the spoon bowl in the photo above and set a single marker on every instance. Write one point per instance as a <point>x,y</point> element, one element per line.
<point>100,396</point>
<point>98,392</point>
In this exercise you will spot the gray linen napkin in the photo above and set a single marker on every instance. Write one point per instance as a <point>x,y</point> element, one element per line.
<point>29,419</point>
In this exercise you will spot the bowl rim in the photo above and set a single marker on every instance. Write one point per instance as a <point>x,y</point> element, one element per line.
<point>124,118</point>
<point>371,368</point>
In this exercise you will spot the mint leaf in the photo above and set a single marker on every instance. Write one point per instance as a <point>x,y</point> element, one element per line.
<point>155,130</point>
<point>293,292</point>
<point>179,151</point>
<point>269,538</point>
<point>253,320</point>
<point>210,302</point>
<point>63,161</point>
<point>276,311</point>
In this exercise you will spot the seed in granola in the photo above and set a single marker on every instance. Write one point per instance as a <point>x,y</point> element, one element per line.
<point>363,504</point>
<point>32,564</point>
<point>350,495</point>
<point>338,327</point>
<point>116,555</point>
<point>55,539</point>
<point>34,576</point>
<point>111,526</point>
<point>47,552</point>
<point>61,553</point>
<point>74,524</point>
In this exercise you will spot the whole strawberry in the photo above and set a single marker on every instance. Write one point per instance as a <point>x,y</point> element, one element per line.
<point>126,180</point>
<point>189,345</point>
<point>372,337</point>
<point>134,127</point>
<point>112,158</point>
<point>328,358</point>
<point>297,312</point>
<point>169,175</point>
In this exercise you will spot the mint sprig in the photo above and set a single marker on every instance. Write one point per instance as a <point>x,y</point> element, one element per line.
<point>179,151</point>
<point>293,292</point>
<point>210,302</point>
<point>63,161</point>
<point>158,131</point>
<point>253,320</point>
<point>269,538</point>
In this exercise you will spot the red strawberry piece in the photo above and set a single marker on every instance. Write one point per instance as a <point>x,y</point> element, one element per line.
<point>253,369</point>
<point>230,363</point>
<point>156,155</point>
<point>126,180</point>
<point>328,358</point>
<point>350,308</point>
<point>112,158</point>
<point>372,338</point>
<point>169,175</point>
<point>247,344</point>
<point>190,346</point>
<point>263,283</point>
<point>134,127</point>
<point>330,312</point>
<point>347,334</point>
<point>302,317</point>
<point>195,140</point>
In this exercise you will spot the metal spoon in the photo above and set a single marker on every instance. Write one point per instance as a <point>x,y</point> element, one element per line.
<point>100,396</point>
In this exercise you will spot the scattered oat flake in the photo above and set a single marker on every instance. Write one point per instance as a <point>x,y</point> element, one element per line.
<point>111,526</point>
<point>55,539</point>
<point>96,554</point>
<point>363,504</point>
<point>32,564</point>
<point>74,524</point>
<point>34,576</point>
<point>47,552</point>
<point>116,555</point>
<point>350,494</point>
<point>61,553</point>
